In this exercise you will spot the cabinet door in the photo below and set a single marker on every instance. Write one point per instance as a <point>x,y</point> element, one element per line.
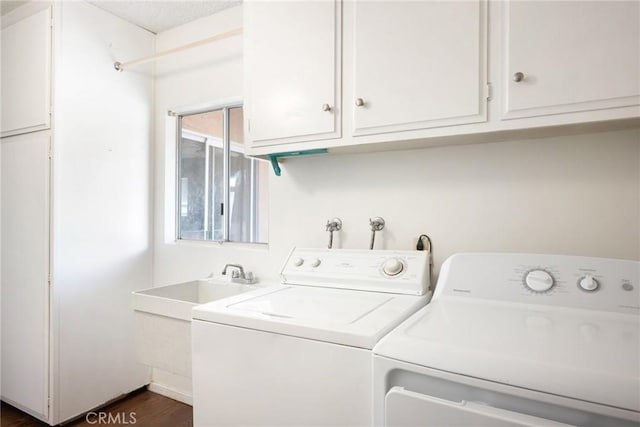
<point>418,64</point>
<point>25,270</point>
<point>26,74</point>
<point>572,56</point>
<point>292,71</point>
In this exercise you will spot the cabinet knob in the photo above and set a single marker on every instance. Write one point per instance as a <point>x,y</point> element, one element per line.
<point>326,107</point>
<point>518,77</point>
<point>359,102</point>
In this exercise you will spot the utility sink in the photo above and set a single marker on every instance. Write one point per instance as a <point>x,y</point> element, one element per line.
<point>163,330</point>
<point>177,300</point>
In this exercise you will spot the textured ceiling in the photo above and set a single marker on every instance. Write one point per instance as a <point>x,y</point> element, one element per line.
<point>7,6</point>
<point>160,15</point>
<point>153,15</point>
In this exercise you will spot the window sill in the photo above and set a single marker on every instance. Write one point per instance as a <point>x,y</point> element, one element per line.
<point>260,247</point>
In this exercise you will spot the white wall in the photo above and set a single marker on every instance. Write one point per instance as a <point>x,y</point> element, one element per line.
<point>566,195</point>
<point>190,79</point>
<point>102,208</point>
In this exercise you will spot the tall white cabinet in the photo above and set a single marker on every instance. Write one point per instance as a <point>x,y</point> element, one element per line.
<point>26,193</point>
<point>75,207</point>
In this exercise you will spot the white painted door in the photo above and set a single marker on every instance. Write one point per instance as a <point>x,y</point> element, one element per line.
<point>292,71</point>
<point>25,270</point>
<point>572,56</point>
<point>418,65</point>
<point>26,73</point>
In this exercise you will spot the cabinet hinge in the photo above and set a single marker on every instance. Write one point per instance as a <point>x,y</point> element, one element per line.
<point>489,92</point>
<point>49,279</point>
<point>248,125</point>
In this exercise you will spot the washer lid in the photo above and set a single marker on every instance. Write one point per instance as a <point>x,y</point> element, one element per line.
<point>583,354</point>
<point>353,318</point>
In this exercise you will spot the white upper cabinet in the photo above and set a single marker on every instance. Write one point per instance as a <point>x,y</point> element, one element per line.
<point>417,65</point>
<point>26,73</point>
<point>570,56</point>
<point>415,72</point>
<point>292,70</point>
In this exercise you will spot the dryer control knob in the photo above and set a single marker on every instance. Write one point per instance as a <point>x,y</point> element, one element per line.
<point>588,283</point>
<point>538,281</point>
<point>298,261</point>
<point>315,262</point>
<point>392,267</point>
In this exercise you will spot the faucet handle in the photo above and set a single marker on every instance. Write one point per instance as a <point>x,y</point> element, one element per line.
<point>334,224</point>
<point>247,279</point>
<point>238,275</point>
<point>238,266</point>
<point>376,223</point>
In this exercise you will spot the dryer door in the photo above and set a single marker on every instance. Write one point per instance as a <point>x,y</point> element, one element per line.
<point>407,408</point>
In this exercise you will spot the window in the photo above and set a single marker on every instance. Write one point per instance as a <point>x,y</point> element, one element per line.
<point>222,195</point>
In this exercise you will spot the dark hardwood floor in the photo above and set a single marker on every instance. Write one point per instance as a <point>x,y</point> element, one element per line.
<point>12,417</point>
<point>140,408</point>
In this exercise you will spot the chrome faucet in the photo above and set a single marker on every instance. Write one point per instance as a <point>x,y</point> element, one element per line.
<point>376,224</point>
<point>239,275</point>
<point>238,266</point>
<point>333,225</point>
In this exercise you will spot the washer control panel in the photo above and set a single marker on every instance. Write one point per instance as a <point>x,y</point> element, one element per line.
<point>588,283</point>
<point>538,280</point>
<point>393,266</point>
<point>559,280</point>
<point>403,272</point>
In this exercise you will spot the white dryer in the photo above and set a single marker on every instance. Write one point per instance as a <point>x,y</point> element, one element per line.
<point>300,353</point>
<point>517,340</point>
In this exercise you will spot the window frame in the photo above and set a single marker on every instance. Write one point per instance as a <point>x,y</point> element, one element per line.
<point>226,153</point>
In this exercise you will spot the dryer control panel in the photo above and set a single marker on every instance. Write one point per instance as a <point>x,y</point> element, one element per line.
<point>400,272</point>
<point>557,280</point>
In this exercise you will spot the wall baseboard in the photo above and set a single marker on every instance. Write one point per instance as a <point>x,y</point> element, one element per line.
<point>171,393</point>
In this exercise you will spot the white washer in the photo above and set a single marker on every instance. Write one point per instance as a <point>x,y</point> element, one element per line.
<point>517,340</point>
<point>300,353</point>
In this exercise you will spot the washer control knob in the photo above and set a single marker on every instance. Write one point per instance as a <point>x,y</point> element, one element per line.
<point>298,261</point>
<point>315,262</point>
<point>538,280</point>
<point>392,267</point>
<point>588,283</point>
